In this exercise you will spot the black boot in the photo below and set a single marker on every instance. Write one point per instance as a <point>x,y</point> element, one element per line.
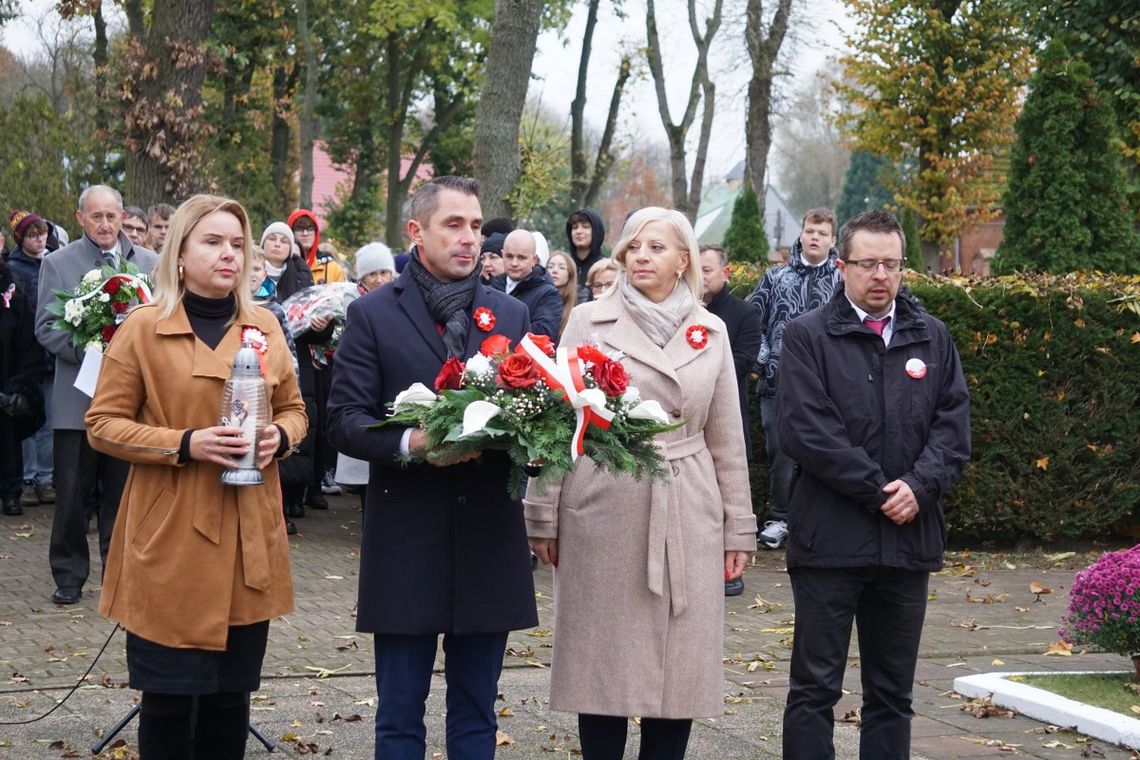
<point>12,507</point>
<point>315,499</point>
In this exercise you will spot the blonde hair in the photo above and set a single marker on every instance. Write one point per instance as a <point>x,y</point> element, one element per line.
<point>683,235</point>
<point>569,291</point>
<point>169,288</point>
<point>602,265</point>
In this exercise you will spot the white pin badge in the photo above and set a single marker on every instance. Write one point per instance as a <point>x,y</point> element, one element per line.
<point>916,368</point>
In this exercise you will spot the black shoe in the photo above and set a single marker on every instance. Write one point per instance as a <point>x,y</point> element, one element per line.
<point>315,499</point>
<point>67,595</point>
<point>290,528</point>
<point>12,508</point>
<point>294,510</point>
<point>533,562</point>
<point>734,587</point>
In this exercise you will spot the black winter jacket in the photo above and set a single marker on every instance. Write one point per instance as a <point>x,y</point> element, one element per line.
<point>853,418</point>
<point>542,299</point>
<point>595,255</point>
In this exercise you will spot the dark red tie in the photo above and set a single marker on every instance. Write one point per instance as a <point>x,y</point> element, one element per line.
<point>877,324</point>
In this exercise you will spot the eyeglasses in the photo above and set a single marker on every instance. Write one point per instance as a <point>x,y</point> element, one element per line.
<point>598,287</point>
<point>304,228</point>
<point>870,265</point>
<point>134,228</point>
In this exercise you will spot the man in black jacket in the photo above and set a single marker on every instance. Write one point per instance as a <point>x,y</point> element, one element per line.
<point>525,279</point>
<point>874,409</point>
<point>742,320</point>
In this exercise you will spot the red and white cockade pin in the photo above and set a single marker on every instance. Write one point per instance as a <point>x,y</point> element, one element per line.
<point>697,335</point>
<point>916,368</point>
<point>484,319</point>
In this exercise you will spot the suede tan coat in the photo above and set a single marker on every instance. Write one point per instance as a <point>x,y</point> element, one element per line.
<point>639,589</point>
<point>189,557</point>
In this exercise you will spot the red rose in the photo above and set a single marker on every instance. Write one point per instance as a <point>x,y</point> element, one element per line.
<point>591,355</point>
<point>517,371</point>
<point>450,377</point>
<point>544,343</point>
<point>495,345</point>
<point>611,377</point>
<point>111,287</point>
<point>119,307</point>
<point>108,333</point>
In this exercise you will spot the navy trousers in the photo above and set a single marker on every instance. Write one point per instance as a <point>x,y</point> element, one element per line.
<point>888,605</point>
<point>403,679</point>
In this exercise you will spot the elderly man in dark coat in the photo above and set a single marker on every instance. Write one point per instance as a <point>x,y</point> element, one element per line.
<point>527,280</point>
<point>444,548</point>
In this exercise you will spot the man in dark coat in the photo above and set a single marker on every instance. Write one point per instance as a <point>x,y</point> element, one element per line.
<point>874,409</point>
<point>100,214</point>
<point>585,233</point>
<point>525,279</point>
<point>742,320</point>
<point>444,548</point>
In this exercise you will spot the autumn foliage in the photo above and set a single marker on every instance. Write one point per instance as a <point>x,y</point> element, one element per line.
<point>935,88</point>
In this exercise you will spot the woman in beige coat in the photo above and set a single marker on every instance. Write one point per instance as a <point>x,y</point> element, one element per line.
<point>640,566</point>
<point>196,569</point>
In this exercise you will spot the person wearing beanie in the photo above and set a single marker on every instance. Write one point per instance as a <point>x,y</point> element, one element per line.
<point>374,266</point>
<point>497,226</point>
<point>492,252</point>
<point>288,271</point>
<point>307,233</point>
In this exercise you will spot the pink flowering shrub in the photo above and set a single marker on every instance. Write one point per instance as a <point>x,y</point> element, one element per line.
<point>1104,604</point>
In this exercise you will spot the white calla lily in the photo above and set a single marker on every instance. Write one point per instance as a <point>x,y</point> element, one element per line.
<point>594,398</point>
<point>477,365</point>
<point>417,394</point>
<point>632,395</point>
<point>649,410</point>
<point>477,415</point>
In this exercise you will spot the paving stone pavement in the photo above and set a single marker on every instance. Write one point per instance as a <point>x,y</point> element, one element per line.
<point>319,695</point>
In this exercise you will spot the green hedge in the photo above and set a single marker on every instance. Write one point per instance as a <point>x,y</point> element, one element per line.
<point>1053,365</point>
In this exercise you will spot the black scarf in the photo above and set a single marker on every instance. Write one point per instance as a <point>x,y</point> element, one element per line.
<point>448,303</point>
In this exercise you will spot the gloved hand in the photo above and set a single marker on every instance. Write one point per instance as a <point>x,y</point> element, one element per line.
<point>14,404</point>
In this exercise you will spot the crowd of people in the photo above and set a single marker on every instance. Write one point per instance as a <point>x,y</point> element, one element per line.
<point>861,397</point>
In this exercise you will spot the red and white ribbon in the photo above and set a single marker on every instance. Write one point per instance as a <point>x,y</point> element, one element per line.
<point>141,288</point>
<point>564,373</point>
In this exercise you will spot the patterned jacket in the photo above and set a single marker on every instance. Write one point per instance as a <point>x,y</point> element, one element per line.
<point>787,291</point>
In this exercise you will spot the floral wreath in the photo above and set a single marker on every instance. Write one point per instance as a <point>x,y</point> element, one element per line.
<point>484,319</point>
<point>697,335</point>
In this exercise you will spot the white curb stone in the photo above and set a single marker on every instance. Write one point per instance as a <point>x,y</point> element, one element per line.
<point>1040,704</point>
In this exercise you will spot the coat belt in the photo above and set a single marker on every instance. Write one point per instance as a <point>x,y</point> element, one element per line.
<point>250,544</point>
<point>665,535</point>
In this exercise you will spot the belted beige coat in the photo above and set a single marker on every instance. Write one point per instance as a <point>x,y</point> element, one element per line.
<point>639,588</point>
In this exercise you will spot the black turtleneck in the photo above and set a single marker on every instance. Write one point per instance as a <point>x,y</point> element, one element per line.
<point>209,317</point>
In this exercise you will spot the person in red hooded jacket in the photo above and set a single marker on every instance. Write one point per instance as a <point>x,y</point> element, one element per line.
<point>307,233</point>
<point>315,383</point>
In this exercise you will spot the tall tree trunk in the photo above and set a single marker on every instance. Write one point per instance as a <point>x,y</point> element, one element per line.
<point>679,131</point>
<point>103,112</point>
<point>284,82</point>
<point>166,69</point>
<point>307,127</point>
<point>578,165</point>
<point>396,102</point>
<point>514,37</point>
<point>763,47</point>
<point>605,158</point>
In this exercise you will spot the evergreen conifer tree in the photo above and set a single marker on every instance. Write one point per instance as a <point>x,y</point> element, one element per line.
<point>744,240</point>
<point>909,224</point>
<point>862,190</point>
<point>1065,203</point>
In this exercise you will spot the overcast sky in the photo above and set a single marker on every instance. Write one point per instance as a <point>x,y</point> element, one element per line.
<point>816,34</point>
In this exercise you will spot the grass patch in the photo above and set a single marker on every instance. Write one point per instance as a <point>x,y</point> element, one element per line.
<point>1112,691</point>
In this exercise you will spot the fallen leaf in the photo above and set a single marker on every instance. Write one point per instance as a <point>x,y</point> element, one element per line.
<point>1060,555</point>
<point>1135,709</point>
<point>1036,587</point>
<point>506,712</point>
<point>984,707</point>
<point>786,629</point>
<point>1062,648</point>
<point>1057,744</point>
<point>503,739</point>
<point>1042,463</point>
<point>997,662</point>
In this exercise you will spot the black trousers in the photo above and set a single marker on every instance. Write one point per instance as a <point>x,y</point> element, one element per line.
<point>79,467</point>
<point>603,737</point>
<point>324,455</point>
<point>888,605</point>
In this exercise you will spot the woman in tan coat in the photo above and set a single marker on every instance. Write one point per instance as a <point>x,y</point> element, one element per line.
<point>640,566</point>
<point>196,569</point>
